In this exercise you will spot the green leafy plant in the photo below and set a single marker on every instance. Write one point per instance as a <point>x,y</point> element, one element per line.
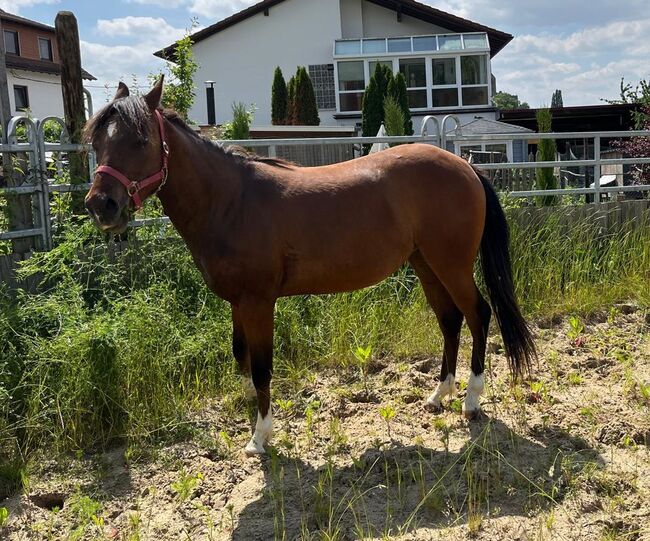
<point>387,414</point>
<point>4,516</point>
<point>576,327</point>
<point>239,128</point>
<point>363,356</point>
<point>186,484</point>
<point>179,91</point>
<point>394,117</point>
<point>546,151</point>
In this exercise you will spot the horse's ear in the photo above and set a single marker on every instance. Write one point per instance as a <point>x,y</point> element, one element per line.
<point>155,94</point>
<point>122,91</point>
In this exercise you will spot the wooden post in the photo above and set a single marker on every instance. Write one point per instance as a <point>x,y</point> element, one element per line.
<point>14,169</point>
<point>67,39</point>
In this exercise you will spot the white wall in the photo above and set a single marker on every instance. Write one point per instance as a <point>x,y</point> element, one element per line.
<point>44,92</point>
<point>379,22</point>
<point>351,19</point>
<point>242,58</point>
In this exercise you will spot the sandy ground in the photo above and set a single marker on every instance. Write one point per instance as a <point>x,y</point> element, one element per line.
<point>562,456</point>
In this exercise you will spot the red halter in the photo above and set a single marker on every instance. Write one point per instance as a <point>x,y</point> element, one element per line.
<point>133,187</point>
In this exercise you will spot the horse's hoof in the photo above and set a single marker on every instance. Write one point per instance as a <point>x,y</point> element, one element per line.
<point>254,448</point>
<point>433,407</point>
<point>473,414</point>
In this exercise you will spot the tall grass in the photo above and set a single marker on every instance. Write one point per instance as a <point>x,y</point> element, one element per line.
<point>123,342</point>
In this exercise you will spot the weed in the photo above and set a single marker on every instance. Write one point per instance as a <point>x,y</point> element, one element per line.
<point>4,516</point>
<point>576,328</point>
<point>387,414</point>
<point>186,484</point>
<point>362,356</point>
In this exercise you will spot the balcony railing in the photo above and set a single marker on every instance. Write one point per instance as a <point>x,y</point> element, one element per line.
<point>433,44</point>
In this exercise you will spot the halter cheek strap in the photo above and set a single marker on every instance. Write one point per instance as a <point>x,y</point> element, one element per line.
<point>134,188</point>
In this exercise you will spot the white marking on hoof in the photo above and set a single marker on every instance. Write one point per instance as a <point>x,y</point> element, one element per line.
<point>472,404</point>
<point>445,388</point>
<point>249,387</point>
<point>263,432</point>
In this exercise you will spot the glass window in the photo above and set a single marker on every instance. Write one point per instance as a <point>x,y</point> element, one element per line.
<point>45,48</point>
<point>417,99</point>
<point>11,42</point>
<point>21,97</point>
<point>414,72</point>
<point>425,43</point>
<point>374,46</point>
<point>372,65</point>
<point>348,47</point>
<point>399,45</point>
<point>450,43</point>
<point>351,75</point>
<point>445,97</point>
<point>474,70</point>
<point>444,71</point>
<point>475,41</point>
<point>351,101</point>
<point>475,95</point>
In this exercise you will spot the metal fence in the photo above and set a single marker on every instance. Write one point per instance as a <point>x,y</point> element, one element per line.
<point>42,178</point>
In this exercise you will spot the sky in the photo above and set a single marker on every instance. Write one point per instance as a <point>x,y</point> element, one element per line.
<point>582,47</point>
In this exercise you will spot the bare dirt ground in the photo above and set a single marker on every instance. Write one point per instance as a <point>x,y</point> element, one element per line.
<point>562,456</point>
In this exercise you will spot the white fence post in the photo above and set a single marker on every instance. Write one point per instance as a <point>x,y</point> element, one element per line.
<point>597,169</point>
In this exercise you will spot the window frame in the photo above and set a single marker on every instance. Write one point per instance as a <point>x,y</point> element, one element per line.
<point>26,89</point>
<point>51,48</point>
<point>16,40</point>
<point>429,88</point>
<point>459,145</point>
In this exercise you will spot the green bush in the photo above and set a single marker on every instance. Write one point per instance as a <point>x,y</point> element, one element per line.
<point>279,98</point>
<point>546,151</point>
<point>394,118</point>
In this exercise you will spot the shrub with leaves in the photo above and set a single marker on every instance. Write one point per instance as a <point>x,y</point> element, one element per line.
<point>240,127</point>
<point>393,117</point>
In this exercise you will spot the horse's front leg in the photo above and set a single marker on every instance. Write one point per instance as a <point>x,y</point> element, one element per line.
<point>241,353</point>
<point>257,319</point>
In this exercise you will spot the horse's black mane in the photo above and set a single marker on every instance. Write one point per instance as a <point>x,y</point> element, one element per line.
<point>134,113</point>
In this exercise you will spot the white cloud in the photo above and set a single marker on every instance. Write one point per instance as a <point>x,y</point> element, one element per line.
<point>218,9</point>
<point>586,65</point>
<point>14,6</point>
<point>139,26</point>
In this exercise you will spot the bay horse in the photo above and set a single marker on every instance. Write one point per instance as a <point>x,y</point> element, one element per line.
<point>262,228</point>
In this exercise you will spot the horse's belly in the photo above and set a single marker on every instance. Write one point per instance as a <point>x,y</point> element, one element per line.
<point>341,274</point>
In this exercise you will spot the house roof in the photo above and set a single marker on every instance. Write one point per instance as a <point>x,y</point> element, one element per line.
<point>485,126</point>
<point>602,117</point>
<point>40,66</point>
<point>412,8</point>
<point>32,64</point>
<point>21,20</point>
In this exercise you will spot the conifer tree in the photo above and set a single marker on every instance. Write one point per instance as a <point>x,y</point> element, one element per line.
<point>279,101</point>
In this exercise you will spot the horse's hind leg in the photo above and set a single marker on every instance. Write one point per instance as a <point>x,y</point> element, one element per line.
<point>450,319</point>
<point>241,353</point>
<point>460,284</point>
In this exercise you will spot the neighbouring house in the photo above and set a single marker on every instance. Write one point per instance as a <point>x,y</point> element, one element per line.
<point>600,118</point>
<point>446,59</point>
<point>33,69</point>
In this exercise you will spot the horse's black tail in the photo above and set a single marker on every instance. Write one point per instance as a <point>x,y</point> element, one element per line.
<point>497,273</point>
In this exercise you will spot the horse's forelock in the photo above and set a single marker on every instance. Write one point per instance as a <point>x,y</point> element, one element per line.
<point>132,112</point>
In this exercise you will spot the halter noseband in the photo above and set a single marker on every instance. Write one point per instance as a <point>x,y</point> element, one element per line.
<point>134,187</point>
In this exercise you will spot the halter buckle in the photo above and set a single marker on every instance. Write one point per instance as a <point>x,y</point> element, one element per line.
<point>132,189</point>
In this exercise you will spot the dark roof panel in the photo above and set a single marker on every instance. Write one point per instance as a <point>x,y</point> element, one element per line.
<point>41,66</point>
<point>21,20</point>
<point>418,10</point>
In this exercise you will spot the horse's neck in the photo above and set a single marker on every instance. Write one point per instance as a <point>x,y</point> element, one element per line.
<point>201,185</point>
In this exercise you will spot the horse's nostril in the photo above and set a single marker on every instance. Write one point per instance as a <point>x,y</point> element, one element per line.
<point>111,206</point>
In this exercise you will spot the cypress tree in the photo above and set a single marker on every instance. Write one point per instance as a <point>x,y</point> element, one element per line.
<point>279,99</point>
<point>546,152</point>
<point>556,100</point>
<point>291,101</point>
<point>305,100</point>
<point>397,89</point>
<point>372,111</point>
<point>394,117</point>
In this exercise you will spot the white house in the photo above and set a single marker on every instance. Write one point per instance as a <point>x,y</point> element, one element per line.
<point>33,69</point>
<point>446,59</point>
